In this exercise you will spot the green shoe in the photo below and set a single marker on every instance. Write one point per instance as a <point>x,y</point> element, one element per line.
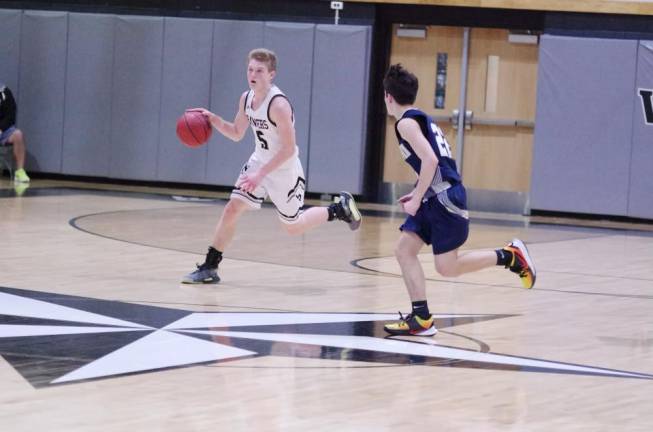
<point>21,176</point>
<point>20,188</point>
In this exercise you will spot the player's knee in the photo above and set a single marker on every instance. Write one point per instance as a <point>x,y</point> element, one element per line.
<point>402,254</point>
<point>232,210</point>
<point>17,137</point>
<point>448,269</point>
<point>229,209</point>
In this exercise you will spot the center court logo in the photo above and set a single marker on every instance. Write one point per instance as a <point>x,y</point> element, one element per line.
<point>55,339</point>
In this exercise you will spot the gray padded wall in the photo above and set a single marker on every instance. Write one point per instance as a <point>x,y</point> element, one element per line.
<point>640,203</point>
<point>10,48</point>
<point>185,84</point>
<point>41,84</point>
<point>99,95</point>
<point>582,144</point>
<point>338,109</point>
<point>136,97</point>
<point>293,44</point>
<point>232,41</point>
<point>87,122</point>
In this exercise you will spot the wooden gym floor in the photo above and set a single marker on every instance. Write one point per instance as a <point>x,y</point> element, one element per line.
<point>97,333</point>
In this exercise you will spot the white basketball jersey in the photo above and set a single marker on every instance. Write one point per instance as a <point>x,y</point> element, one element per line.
<point>266,135</point>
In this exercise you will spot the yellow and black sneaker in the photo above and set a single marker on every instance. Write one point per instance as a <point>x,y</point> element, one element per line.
<point>411,325</point>
<point>521,263</point>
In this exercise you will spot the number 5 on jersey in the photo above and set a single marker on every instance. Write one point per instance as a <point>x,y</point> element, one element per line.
<point>261,140</point>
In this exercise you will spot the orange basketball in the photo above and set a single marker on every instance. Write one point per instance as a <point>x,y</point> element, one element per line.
<point>193,129</point>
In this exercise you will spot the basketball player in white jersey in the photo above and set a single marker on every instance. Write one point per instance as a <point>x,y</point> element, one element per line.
<point>273,170</point>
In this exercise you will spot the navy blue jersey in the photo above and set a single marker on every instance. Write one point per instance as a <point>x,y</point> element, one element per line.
<point>446,170</point>
<point>442,219</point>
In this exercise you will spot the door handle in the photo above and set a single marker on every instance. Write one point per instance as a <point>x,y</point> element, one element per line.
<point>468,120</point>
<point>505,122</point>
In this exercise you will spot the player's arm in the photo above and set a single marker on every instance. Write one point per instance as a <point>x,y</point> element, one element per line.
<point>411,132</point>
<point>281,115</point>
<point>235,130</point>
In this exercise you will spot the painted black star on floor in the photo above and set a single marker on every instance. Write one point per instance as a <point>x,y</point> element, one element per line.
<point>55,339</point>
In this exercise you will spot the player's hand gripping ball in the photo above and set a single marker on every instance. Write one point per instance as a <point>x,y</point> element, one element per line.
<point>193,129</point>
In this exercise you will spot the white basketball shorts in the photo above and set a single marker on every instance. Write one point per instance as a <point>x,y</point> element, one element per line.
<point>285,187</point>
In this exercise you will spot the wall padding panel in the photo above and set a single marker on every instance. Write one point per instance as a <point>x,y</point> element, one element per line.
<point>89,71</point>
<point>41,87</point>
<point>186,84</point>
<point>10,48</point>
<point>136,98</point>
<point>99,95</point>
<point>583,132</point>
<point>232,41</point>
<point>640,202</point>
<point>338,109</point>
<point>293,44</point>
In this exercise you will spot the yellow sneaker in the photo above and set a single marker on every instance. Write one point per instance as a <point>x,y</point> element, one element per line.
<point>411,325</point>
<point>522,264</point>
<point>21,176</point>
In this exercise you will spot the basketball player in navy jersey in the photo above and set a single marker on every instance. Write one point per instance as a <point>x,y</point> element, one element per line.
<point>273,169</point>
<point>436,208</point>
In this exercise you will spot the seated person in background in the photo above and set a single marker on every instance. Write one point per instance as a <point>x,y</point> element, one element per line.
<point>9,134</point>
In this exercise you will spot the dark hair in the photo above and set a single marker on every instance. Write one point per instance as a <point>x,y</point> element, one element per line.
<point>401,84</point>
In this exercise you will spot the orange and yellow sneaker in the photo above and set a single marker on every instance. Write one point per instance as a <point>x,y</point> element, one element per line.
<point>521,263</point>
<point>411,325</point>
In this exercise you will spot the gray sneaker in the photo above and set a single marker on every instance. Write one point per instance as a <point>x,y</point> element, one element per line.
<point>350,213</point>
<point>202,275</point>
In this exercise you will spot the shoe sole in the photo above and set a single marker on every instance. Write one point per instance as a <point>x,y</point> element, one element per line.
<point>426,332</point>
<point>355,213</point>
<point>524,250</point>
<point>204,282</point>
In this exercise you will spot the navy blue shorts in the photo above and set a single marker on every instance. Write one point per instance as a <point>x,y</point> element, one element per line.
<point>442,220</point>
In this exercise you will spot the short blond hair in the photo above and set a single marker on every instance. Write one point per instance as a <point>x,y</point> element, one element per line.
<point>264,55</point>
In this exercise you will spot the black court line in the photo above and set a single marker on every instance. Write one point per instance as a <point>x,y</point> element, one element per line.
<point>73,223</point>
<point>394,213</point>
<point>356,263</point>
